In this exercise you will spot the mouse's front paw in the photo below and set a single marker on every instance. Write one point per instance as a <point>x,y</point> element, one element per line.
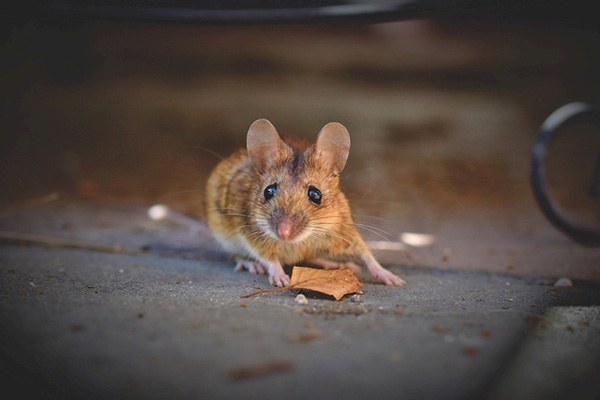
<point>279,279</point>
<point>252,266</point>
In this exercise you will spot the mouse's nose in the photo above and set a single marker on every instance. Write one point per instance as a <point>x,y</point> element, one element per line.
<point>285,228</point>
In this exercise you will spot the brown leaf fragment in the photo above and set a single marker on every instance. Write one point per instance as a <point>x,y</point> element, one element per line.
<point>305,337</point>
<point>534,318</point>
<point>486,332</point>
<point>336,283</point>
<point>438,329</point>
<point>259,369</point>
<point>470,351</point>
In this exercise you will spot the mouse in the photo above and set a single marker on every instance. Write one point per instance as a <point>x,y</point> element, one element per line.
<point>278,203</point>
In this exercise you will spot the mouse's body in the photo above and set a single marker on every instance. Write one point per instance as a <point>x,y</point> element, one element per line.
<point>278,202</point>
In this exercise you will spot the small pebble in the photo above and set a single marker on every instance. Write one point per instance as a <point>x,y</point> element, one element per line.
<point>355,298</point>
<point>563,282</point>
<point>158,212</point>
<point>301,299</point>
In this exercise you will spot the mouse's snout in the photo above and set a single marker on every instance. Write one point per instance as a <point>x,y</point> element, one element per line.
<point>289,227</point>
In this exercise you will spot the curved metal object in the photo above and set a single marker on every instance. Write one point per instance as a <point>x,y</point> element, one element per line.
<point>250,12</point>
<point>549,207</point>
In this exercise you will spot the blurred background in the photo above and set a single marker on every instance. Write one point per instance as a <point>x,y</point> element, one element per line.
<point>442,109</point>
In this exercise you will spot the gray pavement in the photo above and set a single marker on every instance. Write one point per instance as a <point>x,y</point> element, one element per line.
<point>80,323</point>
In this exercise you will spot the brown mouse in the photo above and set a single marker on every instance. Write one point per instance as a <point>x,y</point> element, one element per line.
<point>278,202</point>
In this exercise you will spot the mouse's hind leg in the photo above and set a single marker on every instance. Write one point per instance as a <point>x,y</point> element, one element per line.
<point>381,273</point>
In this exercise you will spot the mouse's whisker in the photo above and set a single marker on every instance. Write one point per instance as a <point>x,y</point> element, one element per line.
<point>332,234</point>
<point>253,233</point>
<point>377,231</point>
<point>373,229</point>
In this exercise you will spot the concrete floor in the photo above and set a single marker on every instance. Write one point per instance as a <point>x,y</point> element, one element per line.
<point>103,120</point>
<point>83,323</point>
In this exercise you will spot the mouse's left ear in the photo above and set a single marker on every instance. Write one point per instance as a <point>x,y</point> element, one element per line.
<point>264,145</point>
<point>333,146</point>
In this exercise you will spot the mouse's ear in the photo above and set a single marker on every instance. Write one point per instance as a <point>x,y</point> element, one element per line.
<point>333,146</point>
<point>264,144</point>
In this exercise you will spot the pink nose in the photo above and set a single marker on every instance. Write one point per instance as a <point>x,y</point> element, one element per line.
<point>285,228</point>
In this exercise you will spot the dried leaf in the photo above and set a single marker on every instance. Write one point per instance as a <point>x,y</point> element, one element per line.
<point>335,283</point>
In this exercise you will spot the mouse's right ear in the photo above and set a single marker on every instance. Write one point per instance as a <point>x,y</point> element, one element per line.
<point>333,146</point>
<point>264,144</point>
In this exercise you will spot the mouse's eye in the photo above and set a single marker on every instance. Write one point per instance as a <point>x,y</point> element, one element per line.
<point>314,195</point>
<point>270,191</point>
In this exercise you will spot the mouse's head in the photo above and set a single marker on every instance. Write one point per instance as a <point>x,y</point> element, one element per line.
<point>299,195</point>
